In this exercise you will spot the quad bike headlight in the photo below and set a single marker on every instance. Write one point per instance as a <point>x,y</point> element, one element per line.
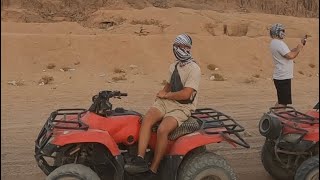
<point>292,138</point>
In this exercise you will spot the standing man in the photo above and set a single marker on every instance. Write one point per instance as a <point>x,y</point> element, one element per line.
<point>172,107</point>
<point>283,63</point>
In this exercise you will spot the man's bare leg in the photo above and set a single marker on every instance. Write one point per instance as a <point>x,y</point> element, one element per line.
<point>153,115</point>
<point>167,125</point>
<point>279,105</point>
<point>138,164</point>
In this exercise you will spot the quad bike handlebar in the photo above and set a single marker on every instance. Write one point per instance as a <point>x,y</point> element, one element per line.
<point>101,103</point>
<point>111,94</point>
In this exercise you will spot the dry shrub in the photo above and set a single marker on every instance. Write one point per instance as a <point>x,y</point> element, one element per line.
<point>304,8</point>
<point>16,83</point>
<point>146,22</point>
<point>66,68</point>
<point>119,78</point>
<point>256,75</point>
<point>218,77</point>
<point>46,79</point>
<point>312,65</point>
<point>20,83</point>
<point>212,67</point>
<point>118,70</point>
<point>250,81</point>
<point>51,66</point>
<point>300,72</point>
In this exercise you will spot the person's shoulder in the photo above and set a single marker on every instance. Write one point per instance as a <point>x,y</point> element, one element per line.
<point>278,42</point>
<point>194,66</point>
<point>172,65</point>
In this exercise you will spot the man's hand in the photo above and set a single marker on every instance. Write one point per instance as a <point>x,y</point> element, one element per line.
<point>304,40</point>
<point>161,94</point>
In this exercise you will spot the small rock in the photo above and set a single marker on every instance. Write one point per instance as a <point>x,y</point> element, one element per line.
<point>61,70</point>
<point>77,63</point>
<point>44,70</point>
<point>14,83</point>
<point>72,69</point>
<point>41,84</point>
<point>133,66</point>
<point>70,77</point>
<point>109,81</point>
<point>212,78</point>
<point>216,69</point>
<point>317,74</point>
<point>102,75</point>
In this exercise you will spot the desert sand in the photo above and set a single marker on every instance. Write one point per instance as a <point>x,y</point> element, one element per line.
<point>139,42</point>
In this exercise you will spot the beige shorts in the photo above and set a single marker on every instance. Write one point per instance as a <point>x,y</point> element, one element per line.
<point>173,109</point>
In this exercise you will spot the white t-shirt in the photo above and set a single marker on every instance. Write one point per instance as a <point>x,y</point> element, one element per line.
<point>283,67</point>
<point>190,75</point>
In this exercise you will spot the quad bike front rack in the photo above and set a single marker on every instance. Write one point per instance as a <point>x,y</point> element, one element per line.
<point>61,119</point>
<point>211,118</point>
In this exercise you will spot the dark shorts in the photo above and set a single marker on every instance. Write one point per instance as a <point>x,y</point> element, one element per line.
<point>283,91</point>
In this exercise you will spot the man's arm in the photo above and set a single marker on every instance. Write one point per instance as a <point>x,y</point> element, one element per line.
<point>294,52</point>
<point>167,87</point>
<point>184,94</point>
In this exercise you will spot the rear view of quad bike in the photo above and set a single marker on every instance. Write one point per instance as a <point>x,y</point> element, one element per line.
<point>96,143</point>
<point>291,149</point>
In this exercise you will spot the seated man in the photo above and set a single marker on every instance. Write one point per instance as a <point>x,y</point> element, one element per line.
<point>172,107</point>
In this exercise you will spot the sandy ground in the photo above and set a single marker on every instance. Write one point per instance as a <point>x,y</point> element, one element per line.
<point>240,54</point>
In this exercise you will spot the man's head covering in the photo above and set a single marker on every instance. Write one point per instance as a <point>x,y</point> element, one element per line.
<point>277,31</point>
<point>183,54</point>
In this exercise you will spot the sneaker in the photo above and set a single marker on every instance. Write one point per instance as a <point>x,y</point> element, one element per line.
<point>149,175</point>
<point>136,165</point>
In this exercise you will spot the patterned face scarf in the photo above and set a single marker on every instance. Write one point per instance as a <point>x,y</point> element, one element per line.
<point>277,31</point>
<point>181,49</point>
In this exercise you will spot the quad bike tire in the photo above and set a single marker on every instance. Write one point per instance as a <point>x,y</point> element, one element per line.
<point>271,165</point>
<point>206,165</point>
<point>308,170</point>
<point>77,171</point>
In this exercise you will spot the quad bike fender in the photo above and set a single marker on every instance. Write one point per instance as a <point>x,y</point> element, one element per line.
<point>89,136</point>
<point>191,141</point>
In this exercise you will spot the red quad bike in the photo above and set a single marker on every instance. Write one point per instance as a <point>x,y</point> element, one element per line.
<point>291,149</point>
<point>96,143</point>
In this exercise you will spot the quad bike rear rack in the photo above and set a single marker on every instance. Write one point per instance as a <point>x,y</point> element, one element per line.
<point>292,115</point>
<point>211,118</point>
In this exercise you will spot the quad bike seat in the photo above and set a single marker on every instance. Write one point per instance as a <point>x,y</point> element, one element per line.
<point>189,126</point>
